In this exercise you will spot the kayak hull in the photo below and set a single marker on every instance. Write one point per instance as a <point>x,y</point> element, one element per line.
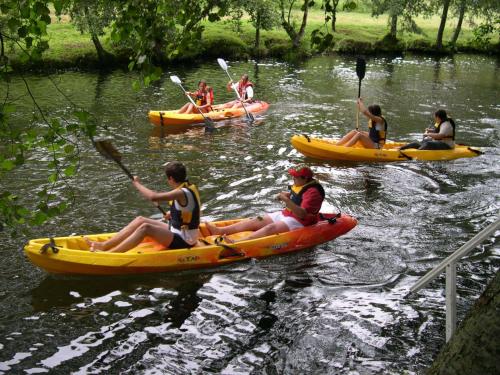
<point>72,255</point>
<point>326,149</point>
<point>219,113</point>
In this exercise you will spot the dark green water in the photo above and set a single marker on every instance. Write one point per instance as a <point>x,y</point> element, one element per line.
<point>334,309</point>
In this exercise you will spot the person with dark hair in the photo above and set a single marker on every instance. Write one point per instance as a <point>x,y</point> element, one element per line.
<point>184,216</point>
<point>377,129</point>
<point>203,97</point>
<point>245,90</point>
<point>302,205</point>
<point>440,137</point>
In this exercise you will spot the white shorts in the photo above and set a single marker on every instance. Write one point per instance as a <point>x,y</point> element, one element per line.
<point>290,221</point>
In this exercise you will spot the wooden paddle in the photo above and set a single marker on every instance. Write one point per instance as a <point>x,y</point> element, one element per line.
<point>224,67</point>
<point>360,72</point>
<point>106,149</point>
<point>209,124</point>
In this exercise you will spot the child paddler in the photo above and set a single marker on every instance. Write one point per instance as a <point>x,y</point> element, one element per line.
<point>302,205</point>
<point>203,97</point>
<point>184,216</point>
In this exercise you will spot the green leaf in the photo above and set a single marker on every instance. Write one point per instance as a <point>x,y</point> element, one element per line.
<point>69,149</point>
<point>40,218</point>
<point>13,24</point>
<point>7,165</point>
<point>52,178</point>
<point>70,171</point>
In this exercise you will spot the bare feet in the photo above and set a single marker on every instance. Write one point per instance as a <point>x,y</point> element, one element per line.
<point>95,245</point>
<point>213,229</point>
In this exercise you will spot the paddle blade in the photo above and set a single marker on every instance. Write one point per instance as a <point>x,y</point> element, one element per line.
<point>222,63</point>
<point>360,68</point>
<point>106,149</point>
<point>175,79</point>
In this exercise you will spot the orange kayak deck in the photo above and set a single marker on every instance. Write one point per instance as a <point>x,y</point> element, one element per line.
<point>71,255</point>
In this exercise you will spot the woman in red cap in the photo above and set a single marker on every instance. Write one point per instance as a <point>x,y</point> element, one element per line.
<point>302,206</point>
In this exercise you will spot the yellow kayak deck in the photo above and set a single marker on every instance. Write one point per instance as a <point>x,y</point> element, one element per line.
<point>327,149</point>
<point>219,113</point>
<point>71,255</point>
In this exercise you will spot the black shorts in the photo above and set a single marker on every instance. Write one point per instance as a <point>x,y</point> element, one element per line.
<point>178,243</point>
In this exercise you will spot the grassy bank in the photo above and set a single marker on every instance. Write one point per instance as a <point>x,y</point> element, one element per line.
<point>356,32</point>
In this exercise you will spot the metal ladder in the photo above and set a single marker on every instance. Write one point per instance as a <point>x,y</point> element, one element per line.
<point>451,275</point>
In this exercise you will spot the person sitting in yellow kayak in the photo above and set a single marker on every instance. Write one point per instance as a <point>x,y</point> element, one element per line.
<point>377,129</point>
<point>203,97</point>
<point>184,217</point>
<point>245,90</point>
<point>440,137</point>
<point>302,205</point>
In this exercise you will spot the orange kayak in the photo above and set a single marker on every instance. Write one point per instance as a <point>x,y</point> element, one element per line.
<point>218,113</point>
<point>71,255</point>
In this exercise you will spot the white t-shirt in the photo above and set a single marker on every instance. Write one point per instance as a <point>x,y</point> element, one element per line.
<point>188,235</point>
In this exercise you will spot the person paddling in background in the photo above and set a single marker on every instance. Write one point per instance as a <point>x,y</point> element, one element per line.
<point>245,90</point>
<point>377,129</point>
<point>302,205</point>
<point>203,97</point>
<point>184,216</point>
<point>441,137</point>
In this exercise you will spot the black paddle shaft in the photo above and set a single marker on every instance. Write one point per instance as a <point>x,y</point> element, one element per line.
<point>360,72</point>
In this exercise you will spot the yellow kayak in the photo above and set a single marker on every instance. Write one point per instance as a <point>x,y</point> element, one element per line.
<point>218,113</point>
<point>326,149</point>
<point>71,255</point>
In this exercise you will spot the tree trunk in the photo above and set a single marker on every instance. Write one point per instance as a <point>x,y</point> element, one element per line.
<point>444,15</point>
<point>102,55</point>
<point>295,36</point>
<point>298,38</point>
<point>461,15</point>
<point>257,30</point>
<point>334,14</point>
<point>394,26</point>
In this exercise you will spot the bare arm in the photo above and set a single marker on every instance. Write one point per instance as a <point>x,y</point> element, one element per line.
<point>367,113</point>
<point>284,196</point>
<point>155,196</point>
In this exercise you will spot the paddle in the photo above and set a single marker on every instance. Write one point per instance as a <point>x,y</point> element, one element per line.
<point>209,124</point>
<point>106,149</point>
<point>224,67</point>
<point>360,72</point>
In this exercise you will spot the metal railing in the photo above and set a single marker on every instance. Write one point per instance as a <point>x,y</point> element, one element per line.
<point>451,275</point>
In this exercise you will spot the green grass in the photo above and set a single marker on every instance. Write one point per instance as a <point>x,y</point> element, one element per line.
<point>354,30</point>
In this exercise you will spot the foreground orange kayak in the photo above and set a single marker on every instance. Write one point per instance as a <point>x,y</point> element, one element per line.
<point>71,255</point>
<point>218,113</point>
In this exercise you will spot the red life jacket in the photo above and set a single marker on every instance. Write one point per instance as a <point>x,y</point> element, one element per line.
<point>242,89</point>
<point>202,97</point>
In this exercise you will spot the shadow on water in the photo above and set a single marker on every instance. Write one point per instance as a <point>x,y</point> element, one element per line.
<point>54,292</point>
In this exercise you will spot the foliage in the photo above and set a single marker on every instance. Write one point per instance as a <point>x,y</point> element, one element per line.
<point>25,24</point>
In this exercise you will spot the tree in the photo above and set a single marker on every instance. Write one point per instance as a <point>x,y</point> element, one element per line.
<point>263,15</point>
<point>288,23</point>
<point>442,24</point>
<point>92,16</point>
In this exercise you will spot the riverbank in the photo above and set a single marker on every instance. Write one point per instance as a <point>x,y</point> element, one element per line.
<point>355,33</point>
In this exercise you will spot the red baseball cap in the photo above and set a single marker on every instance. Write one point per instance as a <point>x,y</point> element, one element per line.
<point>301,171</point>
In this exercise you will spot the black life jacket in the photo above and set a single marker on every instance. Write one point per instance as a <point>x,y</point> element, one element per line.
<point>438,127</point>
<point>179,218</point>
<point>377,136</point>
<point>296,192</point>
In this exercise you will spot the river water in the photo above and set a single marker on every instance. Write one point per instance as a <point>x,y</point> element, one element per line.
<point>339,308</point>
